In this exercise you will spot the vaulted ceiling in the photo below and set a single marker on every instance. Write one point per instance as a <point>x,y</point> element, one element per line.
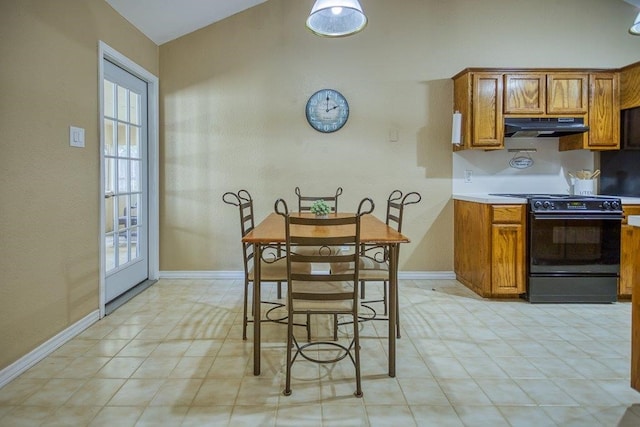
<point>165,20</point>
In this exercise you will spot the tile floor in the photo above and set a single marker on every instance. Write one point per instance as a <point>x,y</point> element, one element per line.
<point>173,356</point>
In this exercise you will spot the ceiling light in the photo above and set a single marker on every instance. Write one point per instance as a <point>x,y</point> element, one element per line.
<point>336,18</point>
<point>635,28</point>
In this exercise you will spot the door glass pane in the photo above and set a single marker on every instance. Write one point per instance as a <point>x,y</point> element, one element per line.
<point>109,137</point>
<point>123,176</point>
<point>134,108</point>
<point>134,142</point>
<point>135,175</point>
<point>122,103</point>
<point>122,140</point>
<point>109,104</point>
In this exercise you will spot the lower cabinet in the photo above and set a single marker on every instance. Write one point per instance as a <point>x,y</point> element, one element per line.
<point>489,245</point>
<point>629,249</point>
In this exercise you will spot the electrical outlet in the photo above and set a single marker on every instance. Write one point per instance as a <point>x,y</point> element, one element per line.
<point>468,176</point>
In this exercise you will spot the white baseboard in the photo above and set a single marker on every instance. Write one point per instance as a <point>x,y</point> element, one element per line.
<point>45,349</point>
<point>219,275</point>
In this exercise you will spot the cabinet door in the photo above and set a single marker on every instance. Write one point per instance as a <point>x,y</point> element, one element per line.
<point>567,93</point>
<point>629,248</point>
<point>604,111</point>
<point>507,263</point>
<point>488,126</point>
<point>525,93</point>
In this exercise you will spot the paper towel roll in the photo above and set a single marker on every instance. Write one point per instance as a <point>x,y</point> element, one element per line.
<point>456,128</point>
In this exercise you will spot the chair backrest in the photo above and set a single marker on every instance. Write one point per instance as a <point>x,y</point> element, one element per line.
<point>327,233</point>
<point>395,207</point>
<point>305,202</point>
<point>243,201</point>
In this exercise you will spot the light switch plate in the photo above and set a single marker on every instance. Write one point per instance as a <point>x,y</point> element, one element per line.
<point>76,136</point>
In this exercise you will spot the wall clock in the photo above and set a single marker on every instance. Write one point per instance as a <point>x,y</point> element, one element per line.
<point>327,110</point>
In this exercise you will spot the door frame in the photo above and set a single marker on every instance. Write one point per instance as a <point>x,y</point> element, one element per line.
<point>107,52</point>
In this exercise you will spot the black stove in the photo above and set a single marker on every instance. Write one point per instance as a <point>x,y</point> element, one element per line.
<point>573,247</point>
<point>565,203</point>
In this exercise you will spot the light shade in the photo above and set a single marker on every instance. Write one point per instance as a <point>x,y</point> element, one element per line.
<point>336,18</point>
<point>635,28</point>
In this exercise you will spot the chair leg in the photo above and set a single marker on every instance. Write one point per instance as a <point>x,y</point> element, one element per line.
<point>362,295</point>
<point>397,315</point>
<point>384,297</point>
<point>244,312</point>
<point>287,387</point>
<point>335,327</point>
<point>356,339</point>
<point>308,327</point>
<point>279,290</point>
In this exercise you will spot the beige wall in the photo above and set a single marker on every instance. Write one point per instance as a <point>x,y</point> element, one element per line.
<point>232,116</point>
<point>233,97</point>
<point>49,206</point>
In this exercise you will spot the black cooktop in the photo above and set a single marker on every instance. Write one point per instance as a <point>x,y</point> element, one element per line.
<point>564,203</point>
<point>550,196</point>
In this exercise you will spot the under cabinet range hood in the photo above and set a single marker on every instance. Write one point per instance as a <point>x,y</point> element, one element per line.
<point>516,127</point>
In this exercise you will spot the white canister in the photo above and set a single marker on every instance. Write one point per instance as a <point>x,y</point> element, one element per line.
<point>584,187</point>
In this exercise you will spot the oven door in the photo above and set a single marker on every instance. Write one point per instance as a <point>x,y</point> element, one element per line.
<point>585,244</point>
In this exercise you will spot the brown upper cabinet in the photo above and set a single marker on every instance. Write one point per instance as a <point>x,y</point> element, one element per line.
<point>486,96</point>
<point>542,94</point>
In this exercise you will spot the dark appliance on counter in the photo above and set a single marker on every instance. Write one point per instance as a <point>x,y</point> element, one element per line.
<point>620,170</point>
<point>573,248</point>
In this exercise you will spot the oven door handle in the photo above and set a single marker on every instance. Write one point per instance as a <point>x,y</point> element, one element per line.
<point>578,217</point>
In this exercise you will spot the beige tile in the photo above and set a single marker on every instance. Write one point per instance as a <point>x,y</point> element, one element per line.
<point>18,390</point>
<point>136,392</point>
<point>139,348</point>
<point>72,416</point>
<point>95,392</point>
<point>422,391</point>
<point>154,416</point>
<point>176,392</point>
<point>27,416</point>
<point>192,367</point>
<point>435,415</point>
<point>204,348</point>
<point>48,367</point>
<point>83,367</point>
<point>481,416</point>
<point>299,415</point>
<point>198,416</point>
<point>156,367</point>
<point>121,416</point>
<point>344,415</point>
<point>107,348</point>
<point>120,367</point>
<point>258,391</point>
<point>74,348</point>
<point>55,392</point>
<point>217,391</point>
<point>172,348</point>
<point>251,416</point>
<point>228,367</point>
<point>389,415</point>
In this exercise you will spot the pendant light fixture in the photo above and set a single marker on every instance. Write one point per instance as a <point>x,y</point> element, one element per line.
<point>336,18</point>
<point>635,28</point>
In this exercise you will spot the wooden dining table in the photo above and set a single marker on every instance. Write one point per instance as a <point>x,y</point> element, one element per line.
<point>372,231</point>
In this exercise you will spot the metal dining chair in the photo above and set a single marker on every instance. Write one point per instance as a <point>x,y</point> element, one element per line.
<point>374,259</point>
<point>322,291</point>
<point>305,202</point>
<point>273,267</point>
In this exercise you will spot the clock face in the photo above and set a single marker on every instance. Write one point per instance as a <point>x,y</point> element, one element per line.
<point>327,110</point>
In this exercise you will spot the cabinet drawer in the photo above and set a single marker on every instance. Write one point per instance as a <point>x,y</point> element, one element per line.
<point>507,214</point>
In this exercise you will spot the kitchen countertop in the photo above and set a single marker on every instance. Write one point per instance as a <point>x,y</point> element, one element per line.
<point>497,200</point>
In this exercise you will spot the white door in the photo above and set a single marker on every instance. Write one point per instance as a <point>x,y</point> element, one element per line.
<point>125,179</point>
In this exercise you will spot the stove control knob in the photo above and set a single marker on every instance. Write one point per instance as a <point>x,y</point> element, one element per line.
<point>615,205</point>
<point>606,205</point>
<point>546,205</point>
<point>537,204</point>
